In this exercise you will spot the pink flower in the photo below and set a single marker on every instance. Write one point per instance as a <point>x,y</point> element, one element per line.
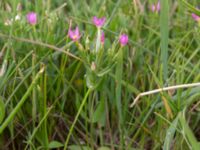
<point>196,17</point>
<point>74,34</point>
<point>102,37</point>
<point>155,7</point>
<point>98,22</point>
<point>31,18</point>
<point>123,39</point>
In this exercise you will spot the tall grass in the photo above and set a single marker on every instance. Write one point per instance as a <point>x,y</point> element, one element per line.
<point>164,33</point>
<point>60,94</point>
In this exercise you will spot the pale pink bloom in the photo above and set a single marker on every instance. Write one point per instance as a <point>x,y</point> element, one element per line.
<point>74,34</point>
<point>158,6</point>
<point>98,22</point>
<point>155,7</point>
<point>123,39</point>
<point>195,17</point>
<point>31,18</point>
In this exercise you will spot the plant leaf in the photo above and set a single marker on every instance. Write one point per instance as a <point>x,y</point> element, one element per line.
<point>99,114</point>
<point>2,110</point>
<point>77,147</point>
<point>55,144</point>
<point>170,134</point>
<point>187,133</point>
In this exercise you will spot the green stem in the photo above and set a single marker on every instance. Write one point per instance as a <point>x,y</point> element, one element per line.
<point>98,42</point>
<point>76,118</point>
<point>34,99</point>
<point>45,134</point>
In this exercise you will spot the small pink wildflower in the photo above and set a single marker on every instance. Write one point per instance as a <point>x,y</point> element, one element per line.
<point>196,17</point>
<point>98,22</point>
<point>31,18</point>
<point>102,37</point>
<point>74,34</point>
<point>123,39</point>
<point>155,7</point>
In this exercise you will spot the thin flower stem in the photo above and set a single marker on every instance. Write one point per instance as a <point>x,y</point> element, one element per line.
<point>98,40</point>
<point>164,89</point>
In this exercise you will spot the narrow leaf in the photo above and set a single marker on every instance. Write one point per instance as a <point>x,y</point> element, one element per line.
<point>2,110</point>
<point>55,144</point>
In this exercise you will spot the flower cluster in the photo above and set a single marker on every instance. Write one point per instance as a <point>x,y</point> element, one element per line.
<point>75,35</point>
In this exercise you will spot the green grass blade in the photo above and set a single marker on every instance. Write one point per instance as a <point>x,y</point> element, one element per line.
<point>119,72</point>
<point>192,8</point>
<point>2,109</point>
<point>188,134</point>
<point>76,118</point>
<point>34,92</point>
<point>21,102</point>
<point>164,29</point>
<point>38,126</point>
<point>170,134</point>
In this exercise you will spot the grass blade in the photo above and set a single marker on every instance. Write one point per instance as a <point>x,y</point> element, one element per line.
<point>76,118</point>
<point>170,134</point>
<point>21,102</point>
<point>164,29</point>
<point>188,134</point>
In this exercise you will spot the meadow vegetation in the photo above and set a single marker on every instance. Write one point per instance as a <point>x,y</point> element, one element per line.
<point>70,70</point>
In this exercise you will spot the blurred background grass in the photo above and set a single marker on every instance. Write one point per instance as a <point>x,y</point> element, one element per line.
<point>41,114</point>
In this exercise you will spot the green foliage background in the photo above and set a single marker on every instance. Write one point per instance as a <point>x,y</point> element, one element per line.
<point>51,98</point>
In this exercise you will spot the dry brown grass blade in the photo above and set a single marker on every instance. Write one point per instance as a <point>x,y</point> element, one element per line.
<point>164,89</point>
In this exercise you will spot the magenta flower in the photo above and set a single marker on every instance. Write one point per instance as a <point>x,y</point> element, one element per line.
<point>155,7</point>
<point>98,22</point>
<point>102,37</point>
<point>74,34</point>
<point>31,18</point>
<point>196,17</point>
<point>123,39</point>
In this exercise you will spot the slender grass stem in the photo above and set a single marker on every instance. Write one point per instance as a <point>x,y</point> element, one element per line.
<point>164,29</point>
<point>39,125</point>
<point>34,96</point>
<point>76,118</point>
